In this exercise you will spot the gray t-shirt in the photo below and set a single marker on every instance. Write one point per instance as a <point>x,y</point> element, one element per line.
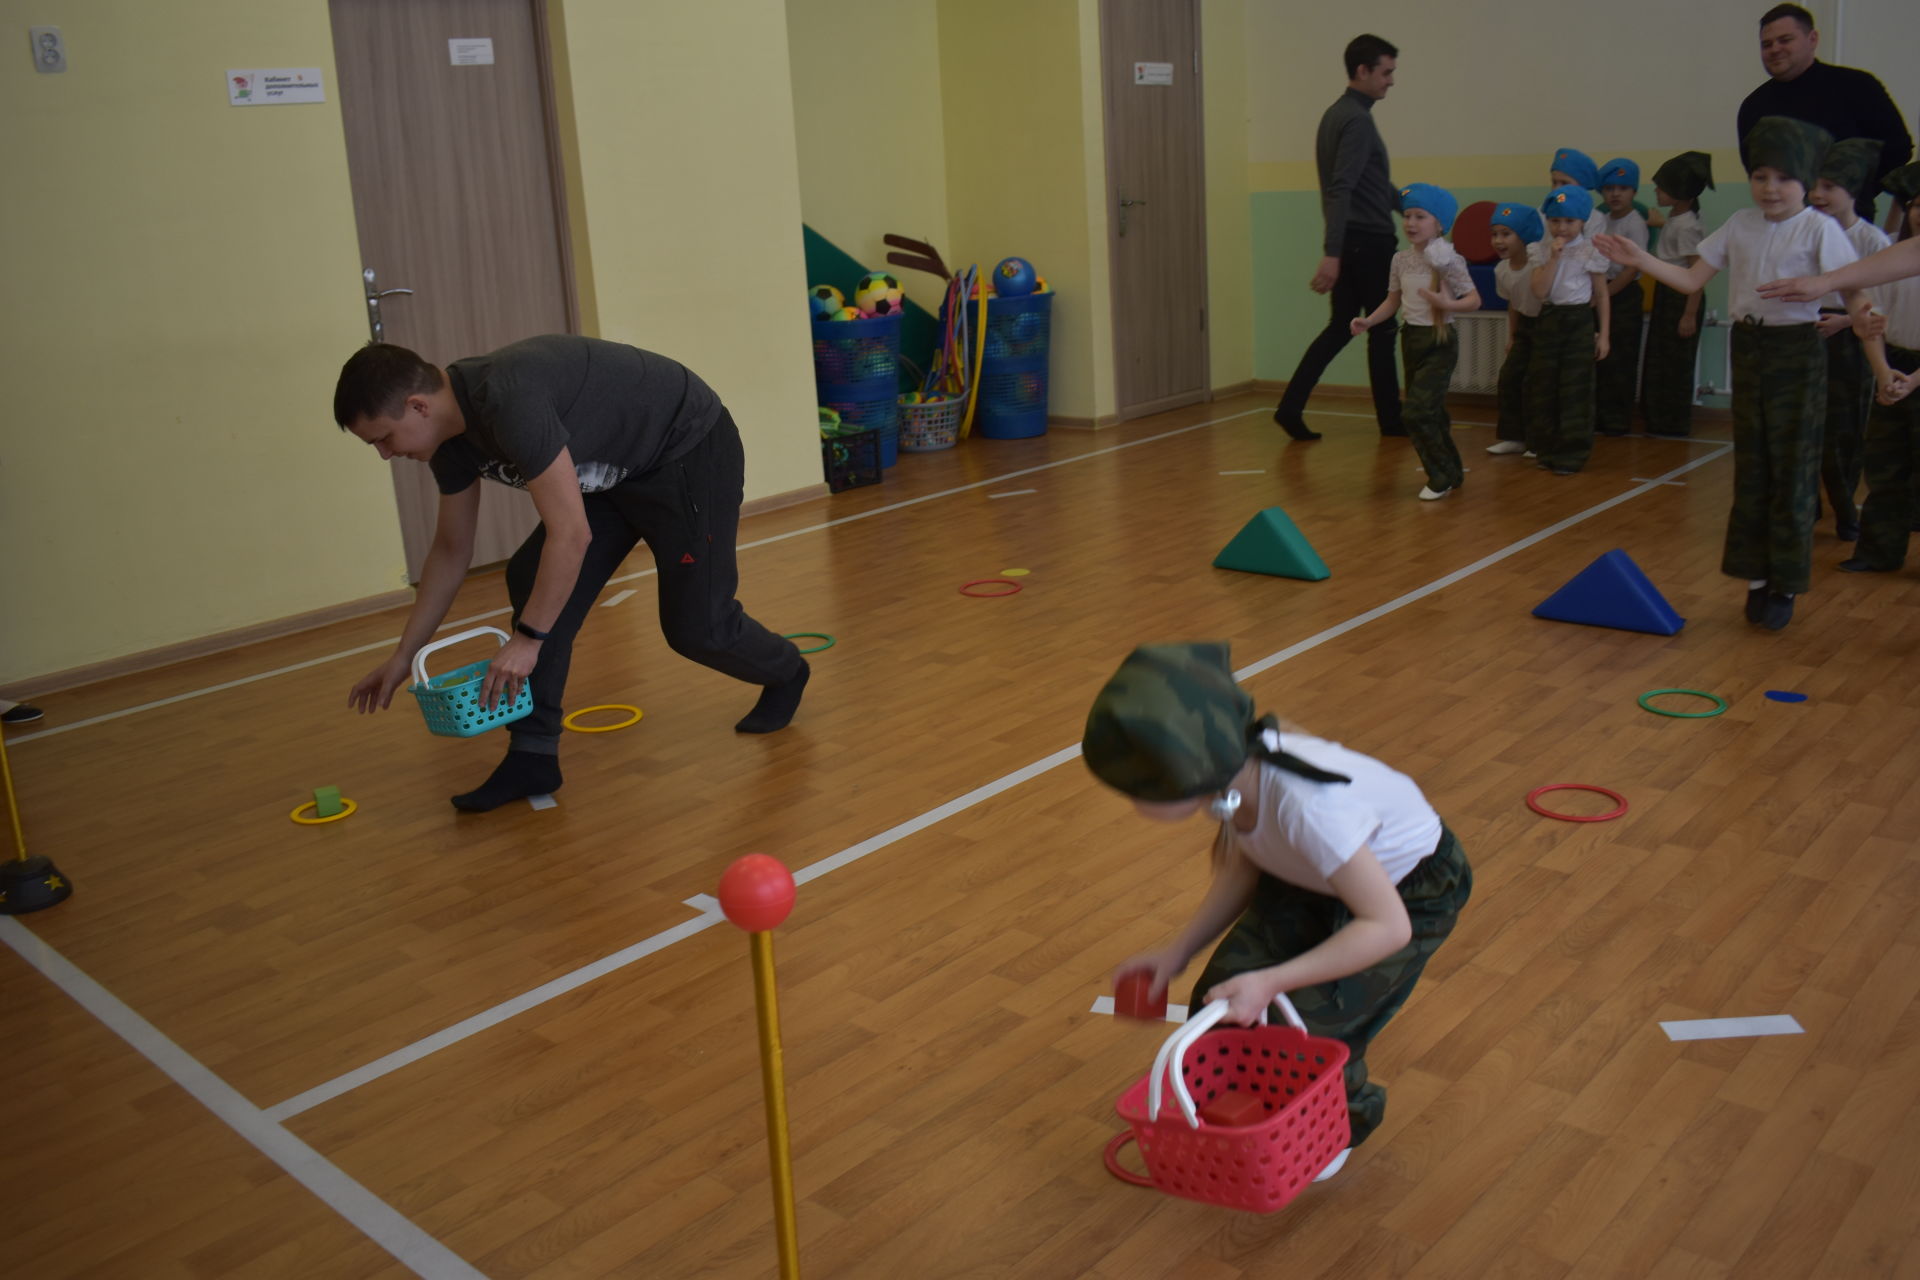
<point>619,410</point>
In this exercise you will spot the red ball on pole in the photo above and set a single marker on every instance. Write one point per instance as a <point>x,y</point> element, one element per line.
<point>757,892</point>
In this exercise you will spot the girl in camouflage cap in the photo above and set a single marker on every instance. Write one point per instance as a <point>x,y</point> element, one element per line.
<point>1333,878</point>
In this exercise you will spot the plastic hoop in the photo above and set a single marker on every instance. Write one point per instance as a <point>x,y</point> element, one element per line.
<point>628,723</point>
<point>991,582</point>
<point>346,812</point>
<point>1720,704</point>
<point>1615,796</point>
<point>1118,1170</point>
<point>812,635</point>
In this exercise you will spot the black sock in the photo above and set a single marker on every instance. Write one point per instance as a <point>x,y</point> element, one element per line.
<point>777,704</point>
<point>521,774</point>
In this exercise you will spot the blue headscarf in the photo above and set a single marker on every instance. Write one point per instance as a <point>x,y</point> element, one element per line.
<point>1522,219</point>
<point>1568,202</point>
<point>1620,173</point>
<point>1577,165</point>
<point>1437,201</point>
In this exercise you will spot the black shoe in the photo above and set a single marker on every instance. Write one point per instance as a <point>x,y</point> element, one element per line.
<point>1778,611</point>
<point>1295,428</point>
<point>1613,431</point>
<point>1853,564</point>
<point>1756,603</point>
<point>20,713</point>
<point>1668,435</point>
<point>1393,433</point>
<point>1847,532</point>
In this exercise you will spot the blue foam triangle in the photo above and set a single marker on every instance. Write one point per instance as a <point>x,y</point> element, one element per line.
<point>1612,592</point>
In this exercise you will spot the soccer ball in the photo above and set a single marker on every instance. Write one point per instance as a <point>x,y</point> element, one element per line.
<point>823,300</point>
<point>879,294</point>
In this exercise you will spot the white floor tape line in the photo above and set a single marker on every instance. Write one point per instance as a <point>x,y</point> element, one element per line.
<point>1012,493</point>
<point>613,600</point>
<point>1244,473</point>
<point>1773,1024</point>
<point>643,573</point>
<point>543,802</point>
<point>379,1221</point>
<point>1643,480</point>
<point>709,909</point>
<point>1104,1004</point>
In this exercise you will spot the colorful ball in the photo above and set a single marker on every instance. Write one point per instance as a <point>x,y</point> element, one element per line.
<point>879,294</point>
<point>846,313</point>
<point>1014,277</point>
<point>756,892</point>
<point>823,300</point>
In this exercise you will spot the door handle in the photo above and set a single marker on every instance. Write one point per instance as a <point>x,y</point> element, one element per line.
<point>1126,204</point>
<point>373,303</point>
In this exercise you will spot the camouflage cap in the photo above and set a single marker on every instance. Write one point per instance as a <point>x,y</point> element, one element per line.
<point>1851,163</point>
<point>1902,183</point>
<point>1794,147</point>
<point>1171,724</point>
<point>1686,175</point>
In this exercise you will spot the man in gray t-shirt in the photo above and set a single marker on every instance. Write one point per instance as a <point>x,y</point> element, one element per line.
<point>615,445</point>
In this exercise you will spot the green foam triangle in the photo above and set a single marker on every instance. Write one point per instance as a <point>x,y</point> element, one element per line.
<point>1271,543</point>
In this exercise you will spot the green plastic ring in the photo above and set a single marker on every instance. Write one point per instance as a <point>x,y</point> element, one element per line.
<point>1720,703</point>
<point>812,635</point>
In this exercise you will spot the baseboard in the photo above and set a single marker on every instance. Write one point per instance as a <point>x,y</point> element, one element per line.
<point>789,498</point>
<point>1084,424</point>
<point>1234,389</point>
<point>220,642</point>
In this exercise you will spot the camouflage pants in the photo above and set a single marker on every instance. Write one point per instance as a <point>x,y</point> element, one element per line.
<point>1285,921</point>
<point>1560,386</point>
<point>1513,381</point>
<point>1892,459</point>
<point>1666,387</point>
<point>1429,363</point>
<point>1849,395</point>
<point>1779,399</point>
<point>1614,378</point>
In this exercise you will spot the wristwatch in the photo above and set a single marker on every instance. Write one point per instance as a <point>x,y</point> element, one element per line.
<point>529,632</point>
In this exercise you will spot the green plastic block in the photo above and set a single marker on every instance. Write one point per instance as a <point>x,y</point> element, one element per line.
<point>1271,543</point>
<point>326,802</point>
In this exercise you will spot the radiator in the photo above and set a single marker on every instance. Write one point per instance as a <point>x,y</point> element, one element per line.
<point>1482,336</point>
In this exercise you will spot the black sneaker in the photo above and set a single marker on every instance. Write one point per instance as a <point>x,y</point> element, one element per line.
<point>1848,532</point>
<point>1855,564</point>
<point>1294,427</point>
<point>1756,603</point>
<point>1778,611</point>
<point>20,713</point>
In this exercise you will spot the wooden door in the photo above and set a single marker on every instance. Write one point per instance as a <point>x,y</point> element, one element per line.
<point>457,196</point>
<point>1156,186</point>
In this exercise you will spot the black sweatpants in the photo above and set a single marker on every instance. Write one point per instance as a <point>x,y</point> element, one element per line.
<point>688,511</point>
<point>1366,263</point>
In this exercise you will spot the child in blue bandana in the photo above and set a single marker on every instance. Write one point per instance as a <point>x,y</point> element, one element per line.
<point>1517,235</point>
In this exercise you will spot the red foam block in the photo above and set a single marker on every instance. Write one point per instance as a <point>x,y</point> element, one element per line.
<point>1131,999</point>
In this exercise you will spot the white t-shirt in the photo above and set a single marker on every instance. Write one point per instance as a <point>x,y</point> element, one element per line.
<point>1680,238</point>
<point>1515,284</point>
<point>1413,270</point>
<point>1572,286</point>
<point>1631,225</point>
<point>1866,240</point>
<point>1752,251</point>
<point>1308,830</point>
<point>1900,299</point>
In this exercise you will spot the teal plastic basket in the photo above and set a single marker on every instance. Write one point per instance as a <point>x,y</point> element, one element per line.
<point>450,703</point>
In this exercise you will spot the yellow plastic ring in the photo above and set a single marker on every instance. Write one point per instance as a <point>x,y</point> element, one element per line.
<point>628,723</point>
<point>314,804</point>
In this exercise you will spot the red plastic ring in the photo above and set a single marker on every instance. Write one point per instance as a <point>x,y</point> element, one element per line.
<point>991,582</point>
<point>1114,1166</point>
<point>1614,796</point>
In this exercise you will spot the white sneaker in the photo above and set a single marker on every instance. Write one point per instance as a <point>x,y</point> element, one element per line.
<point>1430,494</point>
<point>1529,454</point>
<point>1333,1166</point>
<point>1506,446</point>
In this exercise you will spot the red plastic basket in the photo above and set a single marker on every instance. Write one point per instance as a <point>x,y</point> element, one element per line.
<point>1260,1166</point>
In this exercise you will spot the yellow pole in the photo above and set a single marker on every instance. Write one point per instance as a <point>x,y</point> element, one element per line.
<point>979,355</point>
<point>773,1079</point>
<point>13,809</point>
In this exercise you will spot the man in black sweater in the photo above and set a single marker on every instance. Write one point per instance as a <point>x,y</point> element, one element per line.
<point>1358,201</point>
<point>1845,101</point>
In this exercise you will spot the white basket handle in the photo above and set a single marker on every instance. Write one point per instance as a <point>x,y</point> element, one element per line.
<point>420,658</point>
<point>1166,1064</point>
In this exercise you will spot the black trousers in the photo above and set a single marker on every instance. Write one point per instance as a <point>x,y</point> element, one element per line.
<point>688,511</point>
<point>1366,262</point>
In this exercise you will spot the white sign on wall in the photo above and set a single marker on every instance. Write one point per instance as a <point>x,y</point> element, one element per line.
<point>475,51</point>
<point>274,87</point>
<point>1153,73</point>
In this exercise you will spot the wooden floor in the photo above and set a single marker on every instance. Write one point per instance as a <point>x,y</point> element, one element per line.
<point>950,1089</point>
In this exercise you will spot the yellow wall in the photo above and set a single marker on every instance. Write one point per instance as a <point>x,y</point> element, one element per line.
<point>1223,61</point>
<point>183,281</point>
<point>182,284</point>
<point>866,107</point>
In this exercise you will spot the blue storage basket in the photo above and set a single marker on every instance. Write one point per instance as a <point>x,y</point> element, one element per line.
<point>853,351</point>
<point>1017,328</point>
<point>868,406</point>
<point>1013,369</point>
<point>450,703</point>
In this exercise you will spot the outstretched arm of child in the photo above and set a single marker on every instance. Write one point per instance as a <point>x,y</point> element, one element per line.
<point>1628,254</point>
<point>1603,310</point>
<point>1893,263</point>
<point>1690,314</point>
<point>1379,928</point>
<point>1384,311</point>
<point>1234,879</point>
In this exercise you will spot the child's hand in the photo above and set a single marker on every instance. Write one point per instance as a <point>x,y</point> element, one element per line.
<point>1689,325</point>
<point>1165,965</point>
<point>1617,249</point>
<point>1600,347</point>
<point>1871,325</point>
<point>1796,289</point>
<point>1896,386</point>
<point>1830,325</point>
<point>1246,996</point>
<point>1434,300</point>
<point>1358,325</point>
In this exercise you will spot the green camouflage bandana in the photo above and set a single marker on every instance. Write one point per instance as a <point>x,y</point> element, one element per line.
<point>1686,175</point>
<point>1850,163</point>
<point>1171,723</point>
<point>1903,184</point>
<point>1794,147</point>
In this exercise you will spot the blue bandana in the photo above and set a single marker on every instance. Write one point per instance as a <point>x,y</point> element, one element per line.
<point>1620,173</point>
<point>1577,165</point>
<point>1568,202</point>
<point>1522,219</point>
<point>1437,201</point>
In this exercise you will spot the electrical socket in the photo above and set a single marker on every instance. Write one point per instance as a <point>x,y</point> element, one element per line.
<point>49,49</point>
